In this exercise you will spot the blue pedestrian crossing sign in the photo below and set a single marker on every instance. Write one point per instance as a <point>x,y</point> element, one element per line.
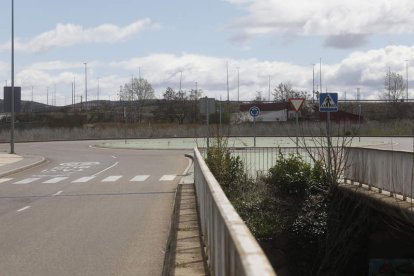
<point>328,102</point>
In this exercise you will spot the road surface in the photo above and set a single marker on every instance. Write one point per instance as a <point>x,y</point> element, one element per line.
<point>88,211</point>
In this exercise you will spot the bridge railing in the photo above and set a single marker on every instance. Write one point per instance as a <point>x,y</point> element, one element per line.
<point>230,247</point>
<point>386,170</point>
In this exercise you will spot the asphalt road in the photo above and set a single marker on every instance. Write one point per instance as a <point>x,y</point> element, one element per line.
<point>88,211</point>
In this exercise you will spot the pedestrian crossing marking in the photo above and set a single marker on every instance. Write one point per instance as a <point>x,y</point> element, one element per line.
<point>140,178</point>
<point>83,179</point>
<point>112,178</point>
<point>55,180</point>
<point>167,177</point>
<point>27,181</point>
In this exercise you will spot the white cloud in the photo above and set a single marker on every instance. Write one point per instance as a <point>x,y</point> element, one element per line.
<point>352,19</point>
<point>364,70</point>
<point>65,35</point>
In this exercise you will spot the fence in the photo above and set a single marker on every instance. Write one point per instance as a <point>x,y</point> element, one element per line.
<point>230,247</point>
<point>387,170</point>
<point>257,161</point>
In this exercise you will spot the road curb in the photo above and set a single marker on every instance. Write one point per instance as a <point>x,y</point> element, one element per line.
<point>25,167</point>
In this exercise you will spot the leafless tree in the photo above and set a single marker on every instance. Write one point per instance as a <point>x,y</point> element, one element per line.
<point>394,87</point>
<point>283,91</point>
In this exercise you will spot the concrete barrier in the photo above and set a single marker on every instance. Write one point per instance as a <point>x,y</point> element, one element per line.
<point>230,247</point>
<point>386,170</point>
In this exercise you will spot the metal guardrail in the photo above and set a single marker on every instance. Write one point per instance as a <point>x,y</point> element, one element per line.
<point>230,247</point>
<point>386,170</point>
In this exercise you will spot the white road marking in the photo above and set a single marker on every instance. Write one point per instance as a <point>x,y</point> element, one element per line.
<point>168,177</point>
<point>83,179</point>
<point>110,167</point>
<point>2,180</point>
<point>27,180</point>
<point>114,157</point>
<point>24,208</point>
<point>55,180</point>
<point>58,193</point>
<point>112,178</point>
<point>140,178</point>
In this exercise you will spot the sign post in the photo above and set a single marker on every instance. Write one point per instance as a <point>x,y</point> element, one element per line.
<point>328,102</point>
<point>297,104</point>
<point>254,112</point>
<point>207,107</point>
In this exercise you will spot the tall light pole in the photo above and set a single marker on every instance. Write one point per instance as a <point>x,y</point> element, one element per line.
<point>98,90</point>
<point>181,77</point>
<point>86,82</point>
<point>238,84</point>
<point>269,89</point>
<point>12,83</point>
<point>406,78</point>
<point>313,82</point>
<point>228,94</point>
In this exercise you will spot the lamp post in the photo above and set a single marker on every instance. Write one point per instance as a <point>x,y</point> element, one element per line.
<point>238,84</point>
<point>86,82</point>
<point>12,83</point>
<point>406,79</point>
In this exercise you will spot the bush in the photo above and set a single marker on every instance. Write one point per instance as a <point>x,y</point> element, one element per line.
<point>227,169</point>
<point>290,177</point>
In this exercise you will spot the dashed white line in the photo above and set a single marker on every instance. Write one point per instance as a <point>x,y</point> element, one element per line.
<point>22,209</point>
<point>2,180</point>
<point>168,177</point>
<point>26,181</point>
<point>140,178</point>
<point>58,193</point>
<point>83,179</point>
<point>55,180</point>
<point>114,157</point>
<point>112,178</point>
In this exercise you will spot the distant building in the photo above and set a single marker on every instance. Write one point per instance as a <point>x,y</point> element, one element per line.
<point>269,112</point>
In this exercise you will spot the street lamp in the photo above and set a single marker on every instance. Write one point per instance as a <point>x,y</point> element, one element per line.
<point>406,78</point>
<point>86,83</point>
<point>12,83</point>
<point>238,84</point>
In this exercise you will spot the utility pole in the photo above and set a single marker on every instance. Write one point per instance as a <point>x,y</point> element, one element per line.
<point>47,95</point>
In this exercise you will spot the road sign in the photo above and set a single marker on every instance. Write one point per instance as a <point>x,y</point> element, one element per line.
<point>207,105</point>
<point>297,103</point>
<point>8,99</point>
<point>254,111</point>
<point>328,102</point>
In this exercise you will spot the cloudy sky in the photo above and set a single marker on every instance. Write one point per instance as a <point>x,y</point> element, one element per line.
<point>357,42</point>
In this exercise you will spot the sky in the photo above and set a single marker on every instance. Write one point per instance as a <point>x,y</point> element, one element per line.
<point>349,45</point>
